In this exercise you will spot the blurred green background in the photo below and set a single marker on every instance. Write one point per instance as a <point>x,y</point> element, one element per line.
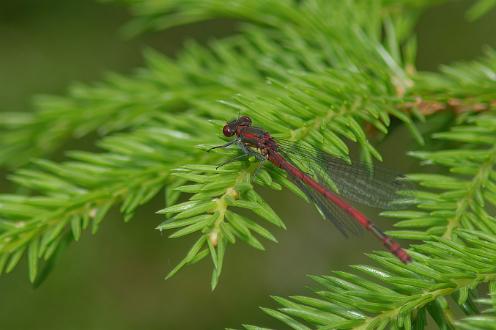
<point>114,280</point>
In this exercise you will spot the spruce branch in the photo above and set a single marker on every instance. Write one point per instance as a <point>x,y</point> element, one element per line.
<point>463,87</point>
<point>317,72</point>
<point>354,90</point>
<point>210,211</point>
<point>228,66</point>
<point>395,295</point>
<point>465,195</point>
<point>117,104</point>
<point>343,96</point>
<point>312,15</point>
<point>168,85</point>
<point>78,193</point>
<point>320,105</point>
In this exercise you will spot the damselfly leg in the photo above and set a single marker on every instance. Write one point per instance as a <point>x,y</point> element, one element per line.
<point>224,145</point>
<point>247,152</point>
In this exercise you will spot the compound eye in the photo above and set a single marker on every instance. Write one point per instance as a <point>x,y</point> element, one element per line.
<point>228,131</point>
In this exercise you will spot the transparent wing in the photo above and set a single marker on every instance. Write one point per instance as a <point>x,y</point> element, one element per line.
<point>377,187</point>
<point>339,218</point>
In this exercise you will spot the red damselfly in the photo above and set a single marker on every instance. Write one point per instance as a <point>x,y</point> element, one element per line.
<point>324,178</point>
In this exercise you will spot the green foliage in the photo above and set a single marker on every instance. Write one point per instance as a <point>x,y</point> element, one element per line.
<point>78,193</point>
<point>486,320</point>
<point>210,210</point>
<point>324,72</point>
<point>463,197</point>
<point>472,83</point>
<point>393,294</point>
<point>200,75</point>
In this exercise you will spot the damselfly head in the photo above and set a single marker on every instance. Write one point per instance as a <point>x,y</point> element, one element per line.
<point>231,127</point>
